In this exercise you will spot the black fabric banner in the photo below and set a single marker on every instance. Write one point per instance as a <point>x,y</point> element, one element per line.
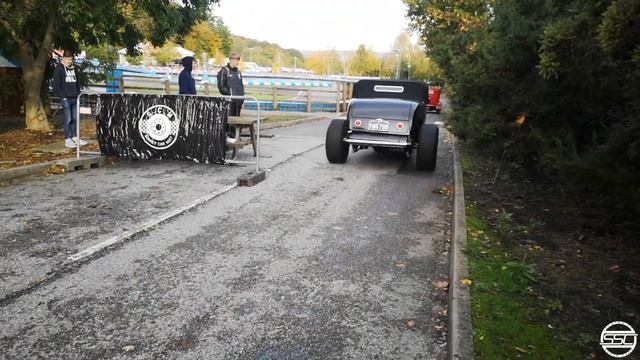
<point>162,127</point>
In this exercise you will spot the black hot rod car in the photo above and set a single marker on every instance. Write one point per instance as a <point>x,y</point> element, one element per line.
<point>385,114</point>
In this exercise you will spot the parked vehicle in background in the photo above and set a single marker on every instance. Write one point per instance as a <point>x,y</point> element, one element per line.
<point>434,99</point>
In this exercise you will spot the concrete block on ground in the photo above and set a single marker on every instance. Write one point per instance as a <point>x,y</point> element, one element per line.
<point>53,148</point>
<point>83,163</point>
<point>251,179</point>
<point>57,147</point>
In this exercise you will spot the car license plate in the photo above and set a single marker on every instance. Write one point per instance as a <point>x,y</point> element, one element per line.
<point>378,125</point>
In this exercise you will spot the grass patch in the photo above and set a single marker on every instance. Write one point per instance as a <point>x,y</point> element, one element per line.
<point>508,322</point>
<point>268,97</point>
<point>281,118</point>
<point>466,162</point>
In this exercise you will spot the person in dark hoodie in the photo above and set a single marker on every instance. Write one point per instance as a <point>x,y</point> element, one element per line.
<point>186,82</point>
<point>230,83</point>
<point>66,86</point>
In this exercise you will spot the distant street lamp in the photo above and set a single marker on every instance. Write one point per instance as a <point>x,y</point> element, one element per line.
<point>344,66</point>
<point>397,65</point>
<point>204,61</point>
<point>409,67</point>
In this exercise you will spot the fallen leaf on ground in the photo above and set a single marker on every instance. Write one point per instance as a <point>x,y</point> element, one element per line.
<point>466,282</point>
<point>186,344</point>
<point>128,348</point>
<point>410,323</point>
<point>54,170</point>
<point>401,265</point>
<point>614,268</point>
<point>444,190</point>
<point>440,284</point>
<point>521,350</point>
<point>391,213</point>
<point>18,144</point>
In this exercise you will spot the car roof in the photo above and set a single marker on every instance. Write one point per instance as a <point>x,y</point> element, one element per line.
<point>391,89</point>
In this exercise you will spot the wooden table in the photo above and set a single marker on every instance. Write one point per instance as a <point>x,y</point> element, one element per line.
<point>239,123</point>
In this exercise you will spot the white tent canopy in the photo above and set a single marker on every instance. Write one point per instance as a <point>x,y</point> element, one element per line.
<point>182,52</point>
<point>4,63</point>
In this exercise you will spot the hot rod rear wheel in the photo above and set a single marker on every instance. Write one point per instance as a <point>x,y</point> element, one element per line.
<point>336,149</point>
<point>427,147</point>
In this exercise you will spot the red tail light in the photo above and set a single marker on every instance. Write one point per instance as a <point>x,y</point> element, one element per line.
<point>357,123</point>
<point>400,125</point>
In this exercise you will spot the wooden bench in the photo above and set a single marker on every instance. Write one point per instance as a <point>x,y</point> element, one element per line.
<point>239,123</point>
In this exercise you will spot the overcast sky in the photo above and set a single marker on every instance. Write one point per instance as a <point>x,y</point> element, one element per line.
<point>316,24</point>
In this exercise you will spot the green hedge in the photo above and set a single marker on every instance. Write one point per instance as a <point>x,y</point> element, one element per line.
<point>572,68</point>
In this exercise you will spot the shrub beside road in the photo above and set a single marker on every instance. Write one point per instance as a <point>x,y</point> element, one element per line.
<point>547,275</point>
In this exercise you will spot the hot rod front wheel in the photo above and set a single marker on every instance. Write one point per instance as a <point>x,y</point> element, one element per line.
<point>427,147</point>
<point>336,149</point>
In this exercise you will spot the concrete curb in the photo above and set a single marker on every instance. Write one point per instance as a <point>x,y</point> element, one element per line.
<point>460,327</point>
<point>16,172</point>
<point>69,164</point>
<point>293,122</point>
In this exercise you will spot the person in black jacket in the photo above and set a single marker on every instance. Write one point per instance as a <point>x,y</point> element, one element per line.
<point>66,86</point>
<point>186,82</point>
<point>230,83</point>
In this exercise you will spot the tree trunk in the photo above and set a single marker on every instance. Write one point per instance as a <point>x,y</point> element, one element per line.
<point>35,116</point>
<point>33,56</point>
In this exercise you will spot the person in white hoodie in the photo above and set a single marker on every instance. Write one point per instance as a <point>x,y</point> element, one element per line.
<point>66,86</point>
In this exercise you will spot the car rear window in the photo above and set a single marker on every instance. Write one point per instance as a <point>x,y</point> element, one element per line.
<point>382,108</point>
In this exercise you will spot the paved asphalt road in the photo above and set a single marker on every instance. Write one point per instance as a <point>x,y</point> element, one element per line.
<point>319,261</point>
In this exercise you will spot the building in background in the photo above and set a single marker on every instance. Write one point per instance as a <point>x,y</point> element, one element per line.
<point>11,89</point>
<point>147,51</point>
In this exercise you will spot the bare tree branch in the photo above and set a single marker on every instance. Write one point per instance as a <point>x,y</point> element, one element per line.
<point>43,53</point>
<point>4,21</point>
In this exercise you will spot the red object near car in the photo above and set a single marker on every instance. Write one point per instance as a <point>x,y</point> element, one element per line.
<point>434,99</point>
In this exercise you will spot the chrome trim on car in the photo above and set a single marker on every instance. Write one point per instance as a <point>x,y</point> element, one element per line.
<point>388,88</point>
<point>377,143</point>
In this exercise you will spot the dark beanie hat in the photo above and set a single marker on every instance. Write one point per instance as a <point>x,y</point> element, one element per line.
<point>67,53</point>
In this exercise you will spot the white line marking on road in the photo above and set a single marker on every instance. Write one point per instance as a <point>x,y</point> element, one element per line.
<point>146,225</point>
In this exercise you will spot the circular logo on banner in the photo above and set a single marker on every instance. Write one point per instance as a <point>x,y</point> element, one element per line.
<point>618,339</point>
<point>158,127</point>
